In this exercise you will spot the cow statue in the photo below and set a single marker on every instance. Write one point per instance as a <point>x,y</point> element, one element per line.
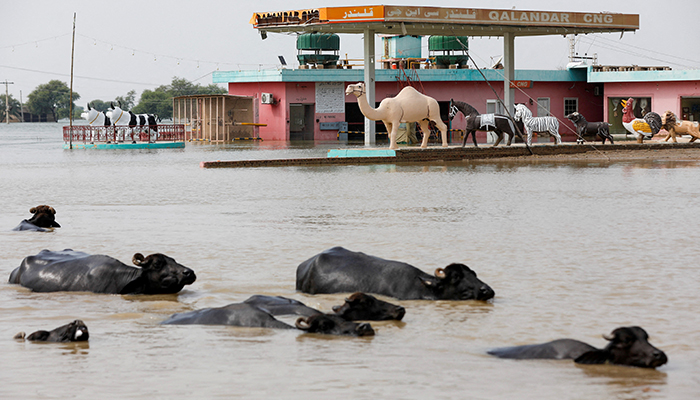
<point>627,346</point>
<point>43,220</point>
<point>338,270</point>
<point>76,331</point>
<point>75,271</point>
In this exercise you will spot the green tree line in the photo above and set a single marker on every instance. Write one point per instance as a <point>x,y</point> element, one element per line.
<point>53,98</point>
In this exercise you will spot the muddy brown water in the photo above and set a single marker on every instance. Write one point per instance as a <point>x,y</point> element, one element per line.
<point>571,249</point>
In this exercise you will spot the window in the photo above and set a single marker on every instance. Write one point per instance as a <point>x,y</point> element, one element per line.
<point>570,106</point>
<point>494,106</point>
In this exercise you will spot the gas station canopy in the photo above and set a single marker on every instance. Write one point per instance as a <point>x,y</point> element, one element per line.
<point>428,21</point>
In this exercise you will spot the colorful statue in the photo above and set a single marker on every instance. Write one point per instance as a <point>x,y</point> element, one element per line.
<point>641,128</point>
<point>675,127</point>
<point>408,106</point>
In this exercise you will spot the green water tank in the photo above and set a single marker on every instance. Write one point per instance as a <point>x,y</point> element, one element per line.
<point>318,41</point>
<point>448,43</point>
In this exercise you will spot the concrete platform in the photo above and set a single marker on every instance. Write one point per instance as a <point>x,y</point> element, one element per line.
<point>445,154</point>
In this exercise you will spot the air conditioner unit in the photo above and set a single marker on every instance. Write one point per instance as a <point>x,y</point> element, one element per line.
<point>266,98</point>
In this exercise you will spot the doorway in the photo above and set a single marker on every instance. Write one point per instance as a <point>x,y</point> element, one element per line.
<point>301,121</point>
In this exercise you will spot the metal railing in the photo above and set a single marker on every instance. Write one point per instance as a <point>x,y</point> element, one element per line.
<point>126,134</point>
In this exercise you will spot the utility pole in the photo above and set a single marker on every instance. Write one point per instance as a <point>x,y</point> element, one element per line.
<point>7,100</point>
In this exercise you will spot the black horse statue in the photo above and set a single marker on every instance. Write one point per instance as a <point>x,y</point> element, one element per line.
<point>583,127</point>
<point>497,123</point>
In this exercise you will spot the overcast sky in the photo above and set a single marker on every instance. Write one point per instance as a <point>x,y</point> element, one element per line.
<point>125,45</point>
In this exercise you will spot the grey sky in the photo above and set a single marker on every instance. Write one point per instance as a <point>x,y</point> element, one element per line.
<point>125,45</point>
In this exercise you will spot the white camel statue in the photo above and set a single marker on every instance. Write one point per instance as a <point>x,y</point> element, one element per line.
<point>408,106</point>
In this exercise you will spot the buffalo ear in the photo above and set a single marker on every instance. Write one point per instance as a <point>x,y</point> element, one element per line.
<point>593,357</point>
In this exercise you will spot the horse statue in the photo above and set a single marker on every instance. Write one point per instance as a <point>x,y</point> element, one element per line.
<point>536,124</point>
<point>96,118</point>
<point>497,123</point>
<point>677,127</point>
<point>585,128</point>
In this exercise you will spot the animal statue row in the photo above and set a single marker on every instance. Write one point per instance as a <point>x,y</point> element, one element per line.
<point>336,270</point>
<point>497,123</point>
<point>408,106</point>
<point>116,116</point>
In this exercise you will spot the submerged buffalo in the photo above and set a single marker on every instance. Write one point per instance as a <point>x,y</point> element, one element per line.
<point>339,270</point>
<point>237,314</point>
<point>76,331</point>
<point>75,271</point>
<point>357,307</point>
<point>250,315</point>
<point>628,346</point>
<point>42,220</point>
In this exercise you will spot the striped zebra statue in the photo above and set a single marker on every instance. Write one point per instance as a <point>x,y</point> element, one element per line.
<point>536,124</point>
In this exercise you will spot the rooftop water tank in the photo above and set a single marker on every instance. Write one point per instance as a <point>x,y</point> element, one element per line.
<point>447,50</point>
<point>318,48</point>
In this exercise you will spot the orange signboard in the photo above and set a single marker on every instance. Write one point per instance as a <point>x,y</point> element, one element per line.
<point>521,84</point>
<point>351,14</point>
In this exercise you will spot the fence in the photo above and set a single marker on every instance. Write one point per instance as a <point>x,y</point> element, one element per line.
<point>116,134</point>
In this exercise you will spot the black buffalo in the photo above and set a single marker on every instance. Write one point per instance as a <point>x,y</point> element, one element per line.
<point>68,270</point>
<point>42,220</point>
<point>357,307</point>
<point>333,325</point>
<point>237,314</point>
<point>254,313</point>
<point>338,270</point>
<point>628,346</point>
<point>76,331</point>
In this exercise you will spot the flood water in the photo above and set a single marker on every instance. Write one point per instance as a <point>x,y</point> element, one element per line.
<point>571,250</point>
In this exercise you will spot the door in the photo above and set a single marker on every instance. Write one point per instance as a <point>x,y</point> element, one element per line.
<point>543,107</point>
<point>301,122</point>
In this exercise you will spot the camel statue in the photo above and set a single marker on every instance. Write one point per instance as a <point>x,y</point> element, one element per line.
<point>408,106</point>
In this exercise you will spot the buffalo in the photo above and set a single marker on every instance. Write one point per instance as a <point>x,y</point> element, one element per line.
<point>357,307</point>
<point>338,270</point>
<point>627,346</point>
<point>68,270</point>
<point>254,313</point>
<point>237,314</point>
<point>76,331</point>
<point>43,219</point>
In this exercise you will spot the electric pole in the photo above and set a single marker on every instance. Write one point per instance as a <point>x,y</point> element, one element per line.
<point>7,100</point>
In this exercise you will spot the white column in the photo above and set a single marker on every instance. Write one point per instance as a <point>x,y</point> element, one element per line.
<point>509,71</point>
<point>370,126</point>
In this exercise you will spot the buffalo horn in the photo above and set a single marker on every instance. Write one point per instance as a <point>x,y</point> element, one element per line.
<point>609,338</point>
<point>138,259</point>
<point>440,273</point>
<point>302,324</point>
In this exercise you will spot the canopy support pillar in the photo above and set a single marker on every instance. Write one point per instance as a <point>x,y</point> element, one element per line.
<point>370,126</point>
<point>509,71</point>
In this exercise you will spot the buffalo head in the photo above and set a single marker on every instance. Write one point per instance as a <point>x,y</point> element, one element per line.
<point>628,346</point>
<point>458,282</point>
<point>43,217</point>
<point>162,274</point>
<point>365,307</point>
<point>76,331</point>
<point>333,325</point>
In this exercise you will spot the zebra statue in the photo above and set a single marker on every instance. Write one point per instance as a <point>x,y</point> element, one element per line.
<point>536,124</point>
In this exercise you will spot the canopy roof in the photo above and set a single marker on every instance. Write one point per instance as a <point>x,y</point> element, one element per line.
<point>411,20</point>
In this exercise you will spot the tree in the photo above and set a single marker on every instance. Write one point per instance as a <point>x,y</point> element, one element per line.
<point>14,108</point>
<point>160,100</point>
<point>99,105</point>
<point>51,98</point>
<point>127,101</point>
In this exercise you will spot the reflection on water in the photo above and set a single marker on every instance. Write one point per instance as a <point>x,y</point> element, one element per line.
<point>571,250</point>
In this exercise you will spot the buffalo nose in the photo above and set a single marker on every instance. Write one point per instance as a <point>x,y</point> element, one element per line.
<point>189,276</point>
<point>485,292</point>
<point>400,312</point>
